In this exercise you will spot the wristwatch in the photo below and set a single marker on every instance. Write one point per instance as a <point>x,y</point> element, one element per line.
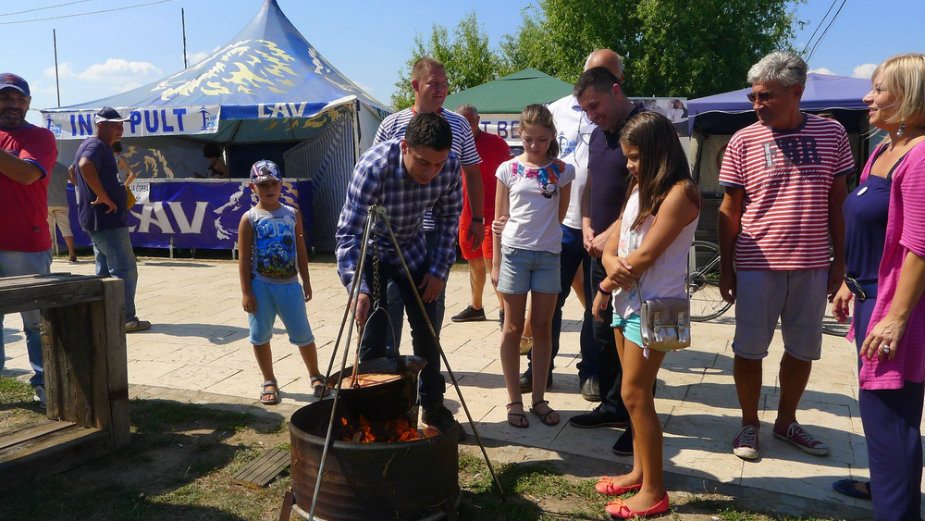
<point>603,291</point>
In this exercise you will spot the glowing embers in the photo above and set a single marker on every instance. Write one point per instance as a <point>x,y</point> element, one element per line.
<point>393,430</point>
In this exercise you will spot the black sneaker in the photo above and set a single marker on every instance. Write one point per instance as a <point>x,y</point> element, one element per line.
<point>442,419</point>
<point>469,314</point>
<point>526,381</point>
<point>590,390</point>
<point>624,444</point>
<point>598,418</point>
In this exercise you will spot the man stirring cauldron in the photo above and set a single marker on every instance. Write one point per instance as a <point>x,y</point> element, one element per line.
<point>406,176</point>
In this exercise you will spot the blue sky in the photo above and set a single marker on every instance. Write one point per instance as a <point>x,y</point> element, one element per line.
<point>369,41</point>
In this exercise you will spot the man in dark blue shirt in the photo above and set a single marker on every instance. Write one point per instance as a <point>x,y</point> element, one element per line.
<point>600,94</point>
<point>102,210</point>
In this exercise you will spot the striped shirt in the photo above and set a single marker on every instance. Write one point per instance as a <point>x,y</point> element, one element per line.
<point>394,126</point>
<point>786,177</point>
<point>380,178</point>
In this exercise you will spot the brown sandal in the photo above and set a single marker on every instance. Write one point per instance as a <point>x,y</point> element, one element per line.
<point>544,416</point>
<point>268,397</point>
<point>521,418</point>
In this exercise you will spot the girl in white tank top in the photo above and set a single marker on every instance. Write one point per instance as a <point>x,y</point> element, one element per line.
<point>651,247</point>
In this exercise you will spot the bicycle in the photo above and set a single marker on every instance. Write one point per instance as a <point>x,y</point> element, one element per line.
<point>703,282</point>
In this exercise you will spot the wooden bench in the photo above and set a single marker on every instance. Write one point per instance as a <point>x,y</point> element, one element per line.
<point>86,374</point>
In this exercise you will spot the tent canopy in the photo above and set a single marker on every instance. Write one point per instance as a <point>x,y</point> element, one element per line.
<point>268,74</point>
<point>510,94</point>
<point>823,92</point>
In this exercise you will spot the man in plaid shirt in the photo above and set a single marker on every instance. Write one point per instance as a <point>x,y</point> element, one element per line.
<point>407,177</point>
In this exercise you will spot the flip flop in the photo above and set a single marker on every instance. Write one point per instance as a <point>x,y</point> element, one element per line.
<point>544,417</point>
<point>268,397</point>
<point>848,487</point>
<point>521,417</point>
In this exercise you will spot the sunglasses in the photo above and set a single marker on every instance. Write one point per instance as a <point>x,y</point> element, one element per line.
<point>762,96</point>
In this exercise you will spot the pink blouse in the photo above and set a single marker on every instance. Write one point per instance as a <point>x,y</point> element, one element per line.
<point>905,232</point>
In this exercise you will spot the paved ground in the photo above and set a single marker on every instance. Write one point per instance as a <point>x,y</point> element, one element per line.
<point>198,351</point>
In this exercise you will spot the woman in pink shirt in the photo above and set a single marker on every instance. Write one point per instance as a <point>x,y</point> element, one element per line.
<point>891,342</point>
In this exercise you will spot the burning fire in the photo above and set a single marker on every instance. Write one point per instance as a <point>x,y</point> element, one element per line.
<point>390,431</point>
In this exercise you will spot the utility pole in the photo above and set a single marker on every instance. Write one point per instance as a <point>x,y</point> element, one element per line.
<point>183,24</point>
<point>54,42</point>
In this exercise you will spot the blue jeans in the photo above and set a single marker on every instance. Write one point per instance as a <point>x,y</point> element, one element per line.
<point>13,263</point>
<point>432,385</point>
<point>115,258</point>
<point>396,306</point>
<point>572,256</point>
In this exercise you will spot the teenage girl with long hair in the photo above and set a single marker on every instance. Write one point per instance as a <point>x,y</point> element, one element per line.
<point>649,254</point>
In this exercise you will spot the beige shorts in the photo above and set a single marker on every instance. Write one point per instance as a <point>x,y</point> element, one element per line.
<point>59,215</point>
<point>797,298</point>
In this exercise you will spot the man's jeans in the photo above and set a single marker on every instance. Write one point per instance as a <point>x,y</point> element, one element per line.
<point>432,384</point>
<point>574,255</point>
<point>396,305</point>
<point>610,377</point>
<point>115,258</point>
<point>13,263</point>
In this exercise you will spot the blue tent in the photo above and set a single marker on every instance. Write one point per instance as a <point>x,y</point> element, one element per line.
<point>824,92</point>
<point>266,84</point>
<point>266,94</point>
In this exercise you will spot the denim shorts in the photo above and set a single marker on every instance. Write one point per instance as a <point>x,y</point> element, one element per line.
<point>523,271</point>
<point>288,302</point>
<point>631,327</point>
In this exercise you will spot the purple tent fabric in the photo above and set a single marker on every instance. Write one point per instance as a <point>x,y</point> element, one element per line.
<point>823,92</point>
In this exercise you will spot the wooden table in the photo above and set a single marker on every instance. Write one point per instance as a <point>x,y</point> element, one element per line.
<point>86,375</point>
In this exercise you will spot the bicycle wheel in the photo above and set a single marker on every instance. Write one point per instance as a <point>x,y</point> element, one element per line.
<point>703,282</point>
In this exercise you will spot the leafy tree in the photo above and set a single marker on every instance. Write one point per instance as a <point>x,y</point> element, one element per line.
<point>672,47</point>
<point>468,58</point>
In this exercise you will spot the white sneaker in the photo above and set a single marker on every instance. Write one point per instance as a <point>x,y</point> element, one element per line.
<point>40,395</point>
<point>745,444</point>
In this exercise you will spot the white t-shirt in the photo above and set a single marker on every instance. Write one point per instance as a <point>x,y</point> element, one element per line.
<point>573,130</point>
<point>534,205</point>
<point>666,278</point>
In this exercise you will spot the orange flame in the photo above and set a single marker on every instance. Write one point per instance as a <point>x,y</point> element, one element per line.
<point>390,431</point>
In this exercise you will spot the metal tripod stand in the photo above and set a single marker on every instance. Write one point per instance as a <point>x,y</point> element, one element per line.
<point>377,212</point>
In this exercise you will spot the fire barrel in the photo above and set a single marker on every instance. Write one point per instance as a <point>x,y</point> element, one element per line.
<point>408,481</point>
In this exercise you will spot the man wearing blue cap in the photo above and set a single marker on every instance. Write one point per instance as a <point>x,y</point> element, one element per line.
<point>102,209</point>
<point>27,156</point>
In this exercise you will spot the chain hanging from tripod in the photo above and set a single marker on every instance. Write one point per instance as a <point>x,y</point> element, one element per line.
<point>375,305</point>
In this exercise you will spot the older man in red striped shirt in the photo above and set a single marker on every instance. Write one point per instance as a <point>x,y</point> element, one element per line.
<point>784,181</point>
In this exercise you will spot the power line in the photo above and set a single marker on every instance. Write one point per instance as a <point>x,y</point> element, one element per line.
<point>43,8</point>
<point>822,36</point>
<point>818,25</point>
<point>85,14</point>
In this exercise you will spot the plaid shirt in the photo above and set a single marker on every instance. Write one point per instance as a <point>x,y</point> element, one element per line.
<point>380,178</point>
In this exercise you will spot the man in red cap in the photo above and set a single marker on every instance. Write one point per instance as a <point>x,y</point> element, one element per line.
<point>27,156</point>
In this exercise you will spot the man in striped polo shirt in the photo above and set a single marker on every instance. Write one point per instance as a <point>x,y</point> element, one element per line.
<point>784,180</point>
<point>430,85</point>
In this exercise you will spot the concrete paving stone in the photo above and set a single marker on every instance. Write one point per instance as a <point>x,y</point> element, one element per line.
<point>198,378</point>
<point>150,372</point>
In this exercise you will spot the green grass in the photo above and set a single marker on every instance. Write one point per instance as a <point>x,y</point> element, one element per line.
<point>13,391</point>
<point>181,458</point>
